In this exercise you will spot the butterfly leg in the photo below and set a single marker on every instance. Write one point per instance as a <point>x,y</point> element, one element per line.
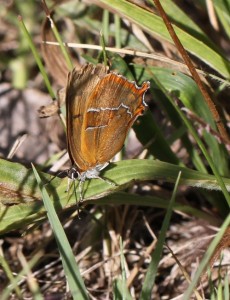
<point>81,185</point>
<point>68,184</point>
<point>106,180</point>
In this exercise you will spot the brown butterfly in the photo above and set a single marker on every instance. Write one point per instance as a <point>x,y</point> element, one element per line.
<point>101,107</point>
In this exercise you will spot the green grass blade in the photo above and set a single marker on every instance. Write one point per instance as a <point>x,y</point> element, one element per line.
<point>208,254</point>
<point>123,274</point>
<point>122,198</point>
<point>226,287</point>
<point>152,269</point>
<point>222,8</point>
<point>72,272</point>
<point>62,46</point>
<point>6,268</point>
<point>105,25</point>
<point>120,290</point>
<point>184,21</point>
<point>117,31</point>
<point>37,58</point>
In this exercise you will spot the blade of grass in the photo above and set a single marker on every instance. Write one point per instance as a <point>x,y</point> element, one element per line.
<point>102,42</point>
<point>62,46</point>
<point>117,31</point>
<point>105,26</point>
<point>186,275</point>
<point>129,199</point>
<point>206,259</point>
<point>37,57</point>
<point>15,281</point>
<point>226,287</point>
<point>6,268</point>
<point>152,269</point>
<point>40,64</point>
<point>31,281</point>
<point>123,267</point>
<point>72,272</point>
<point>120,290</point>
<point>184,21</point>
<point>222,8</point>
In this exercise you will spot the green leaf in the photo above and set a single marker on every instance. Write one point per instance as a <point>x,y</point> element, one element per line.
<point>21,203</point>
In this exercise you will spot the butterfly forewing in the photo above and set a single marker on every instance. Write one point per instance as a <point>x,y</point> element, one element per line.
<point>80,85</point>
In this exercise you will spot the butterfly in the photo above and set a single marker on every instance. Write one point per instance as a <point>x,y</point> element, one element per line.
<point>101,107</point>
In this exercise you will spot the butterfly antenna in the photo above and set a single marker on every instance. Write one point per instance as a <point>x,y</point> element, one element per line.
<point>58,174</point>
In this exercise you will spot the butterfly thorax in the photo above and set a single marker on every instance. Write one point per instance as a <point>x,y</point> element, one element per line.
<point>73,172</point>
